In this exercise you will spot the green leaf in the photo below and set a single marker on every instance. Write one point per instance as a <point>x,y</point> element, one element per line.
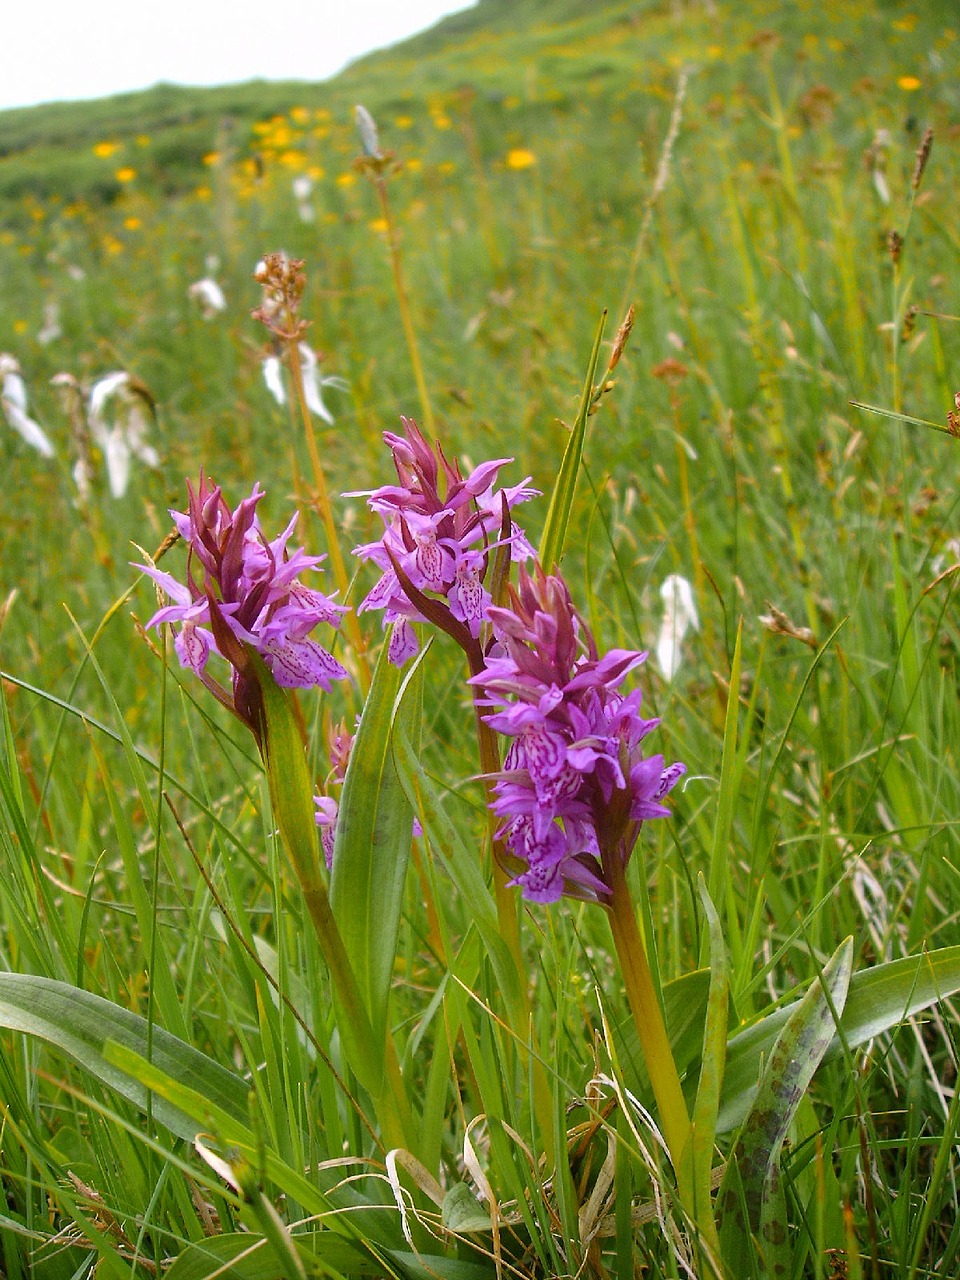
<point>291,795</point>
<point>291,787</point>
<point>462,864</point>
<point>463,1212</point>
<point>190,1093</point>
<point>796,1054</point>
<point>242,1256</point>
<point>374,831</point>
<point>879,999</point>
<point>561,500</point>
<point>704,1127</point>
<point>81,1024</point>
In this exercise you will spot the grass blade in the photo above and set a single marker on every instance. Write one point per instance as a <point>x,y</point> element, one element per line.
<point>561,500</point>
<point>796,1054</point>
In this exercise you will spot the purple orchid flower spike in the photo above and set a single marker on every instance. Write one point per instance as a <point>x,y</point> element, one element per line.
<point>440,531</point>
<point>242,593</point>
<point>575,785</point>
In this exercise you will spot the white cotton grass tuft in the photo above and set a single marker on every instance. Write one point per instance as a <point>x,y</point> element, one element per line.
<point>120,413</point>
<point>876,158</point>
<point>13,397</point>
<point>52,329</point>
<point>679,617</point>
<point>208,296</point>
<point>302,192</point>
<point>312,382</point>
<point>369,135</point>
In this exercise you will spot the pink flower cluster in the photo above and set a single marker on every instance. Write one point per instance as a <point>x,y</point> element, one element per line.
<point>439,532</point>
<point>242,590</point>
<point>575,785</point>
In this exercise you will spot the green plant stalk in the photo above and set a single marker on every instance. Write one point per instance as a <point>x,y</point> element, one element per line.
<point>897,299</point>
<point>291,797</point>
<point>393,1108</point>
<point>322,496</point>
<point>778,122</point>
<point>396,264</point>
<point>648,1017</point>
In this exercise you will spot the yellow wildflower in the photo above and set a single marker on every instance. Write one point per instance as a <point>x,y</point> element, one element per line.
<point>126,174</point>
<point>403,122</point>
<point>104,150</point>
<point>299,115</point>
<point>908,83</point>
<point>520,158</point>
<point>346,179</point>
<point>132,223</point>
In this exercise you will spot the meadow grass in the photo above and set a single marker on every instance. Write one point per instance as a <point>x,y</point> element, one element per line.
<point>139,857</point>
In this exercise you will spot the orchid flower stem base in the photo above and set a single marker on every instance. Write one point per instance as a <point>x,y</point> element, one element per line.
<point>648,1017</point>
<point>395,1117</point>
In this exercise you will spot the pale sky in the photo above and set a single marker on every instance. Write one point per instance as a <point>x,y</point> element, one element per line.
<point>56,50</point>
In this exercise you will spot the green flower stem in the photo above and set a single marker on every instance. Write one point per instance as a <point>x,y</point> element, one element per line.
<point>393,1108</point>
<point>647,1015</point>
<point>291,796</point>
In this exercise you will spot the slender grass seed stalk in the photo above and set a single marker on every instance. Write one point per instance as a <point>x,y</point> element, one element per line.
<point>378,165</point>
